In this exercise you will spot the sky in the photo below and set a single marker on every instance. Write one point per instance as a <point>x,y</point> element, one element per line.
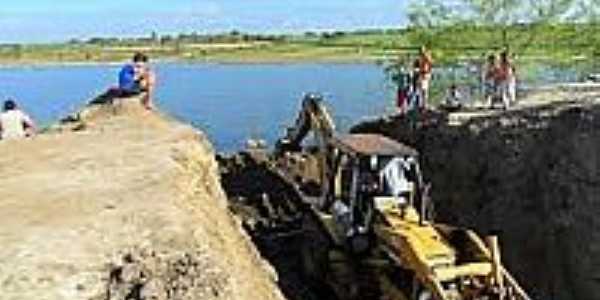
<point>60,20</point>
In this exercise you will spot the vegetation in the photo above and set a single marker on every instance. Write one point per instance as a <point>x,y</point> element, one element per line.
<point>561,42</point>
<point>235,46</point>
<point>552,29</point>
<point>458,30</point>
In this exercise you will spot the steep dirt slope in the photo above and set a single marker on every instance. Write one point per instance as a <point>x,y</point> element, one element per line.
<point>127,207</point>
<point>531,173</point>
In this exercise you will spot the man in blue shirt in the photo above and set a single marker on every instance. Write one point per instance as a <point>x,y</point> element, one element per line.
<point>138,78</point>
<point>130,78</point>
<point>127,81</point>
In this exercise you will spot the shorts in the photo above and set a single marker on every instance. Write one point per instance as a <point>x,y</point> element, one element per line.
<point>402,99</point>
<point>490,88</point>
<point>425,82</point>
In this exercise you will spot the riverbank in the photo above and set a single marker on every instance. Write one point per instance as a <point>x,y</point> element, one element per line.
<point>268,52</point>
<point>121,203</point>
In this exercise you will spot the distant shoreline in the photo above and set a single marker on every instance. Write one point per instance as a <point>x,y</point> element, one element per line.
<point>341,61</point>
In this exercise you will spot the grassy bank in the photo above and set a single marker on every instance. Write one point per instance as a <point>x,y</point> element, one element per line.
<point>562,43</point>
<point>288,51</point>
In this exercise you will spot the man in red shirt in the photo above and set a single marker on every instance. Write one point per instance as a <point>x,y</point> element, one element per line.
<point>506,79</point>
<point>425,68</point>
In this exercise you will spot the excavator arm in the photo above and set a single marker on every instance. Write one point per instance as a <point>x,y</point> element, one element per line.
<point>313,117</point>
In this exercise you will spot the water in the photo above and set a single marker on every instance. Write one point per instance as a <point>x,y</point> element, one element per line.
<point>229,102</point>
<point>232,103</point>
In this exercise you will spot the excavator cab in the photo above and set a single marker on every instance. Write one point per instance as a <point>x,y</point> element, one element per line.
<point>371,173</point>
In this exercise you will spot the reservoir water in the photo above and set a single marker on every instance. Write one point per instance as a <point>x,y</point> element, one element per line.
<point>234,102</point>
<point>231,103</point>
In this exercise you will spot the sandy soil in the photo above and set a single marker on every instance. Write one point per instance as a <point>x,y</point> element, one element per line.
<point>131,206</point>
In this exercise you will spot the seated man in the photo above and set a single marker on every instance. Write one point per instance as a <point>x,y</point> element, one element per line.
<point>453,99</point>
<point>14,123</point>
<point>138,78</point>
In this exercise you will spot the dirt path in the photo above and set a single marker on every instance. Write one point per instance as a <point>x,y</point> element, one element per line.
<point>129,207</point>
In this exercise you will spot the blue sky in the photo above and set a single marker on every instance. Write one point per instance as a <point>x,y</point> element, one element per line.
<point>56,20</point>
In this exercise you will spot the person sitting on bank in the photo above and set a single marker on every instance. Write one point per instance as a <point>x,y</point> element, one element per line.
<point>138,78</point>
<point>14,123</point>
<point>454,98</point>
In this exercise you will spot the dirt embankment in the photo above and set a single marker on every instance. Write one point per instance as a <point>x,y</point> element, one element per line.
<point>128,206</point>
<point>531,173</point>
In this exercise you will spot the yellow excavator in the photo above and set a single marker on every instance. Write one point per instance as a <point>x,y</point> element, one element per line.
<point>368,233</point>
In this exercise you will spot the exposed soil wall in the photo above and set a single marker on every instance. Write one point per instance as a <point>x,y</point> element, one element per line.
<point>534,175</point>
<point>271,211</point>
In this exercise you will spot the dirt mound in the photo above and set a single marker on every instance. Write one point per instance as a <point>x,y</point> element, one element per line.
<point>533,174</point>
<point>128,206</point>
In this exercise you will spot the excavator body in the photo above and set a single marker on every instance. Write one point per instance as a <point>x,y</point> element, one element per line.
<point>368,231</point>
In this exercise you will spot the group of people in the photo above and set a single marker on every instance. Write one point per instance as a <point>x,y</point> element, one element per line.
<point>413,86</point>
<point>500,81</point>
<point>498,77</point>
<point>136,78</point>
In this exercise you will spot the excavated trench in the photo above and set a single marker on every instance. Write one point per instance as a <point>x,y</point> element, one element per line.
<point>271,214</point>
<point>533,175</point>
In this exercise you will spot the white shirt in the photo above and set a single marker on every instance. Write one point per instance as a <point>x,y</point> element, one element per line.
<point>13,124</point>
<point>394,176</point>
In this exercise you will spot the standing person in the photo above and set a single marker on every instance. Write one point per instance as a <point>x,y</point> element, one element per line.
<point>138,78</point>
<point>416,95</point>
<point>512,85</point>
<point>425,69</point>
<point>14,123</point>
<point>490,79</point>
<point>416,92</point>
<point>505,78</point>
<point>508,69</point>
<point>405,87</point>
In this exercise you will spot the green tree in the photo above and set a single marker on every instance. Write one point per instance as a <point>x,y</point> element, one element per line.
<point>509,23</point>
